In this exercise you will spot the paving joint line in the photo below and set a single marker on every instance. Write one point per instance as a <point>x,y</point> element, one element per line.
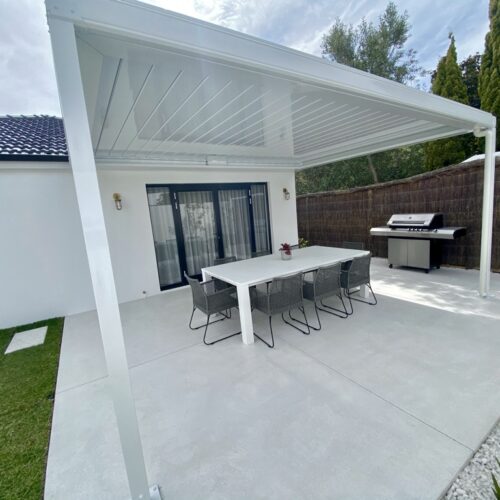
<point>130,368</point>
<point>377,395</point>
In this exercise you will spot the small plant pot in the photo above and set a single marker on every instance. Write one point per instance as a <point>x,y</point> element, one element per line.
<point>285,255</point>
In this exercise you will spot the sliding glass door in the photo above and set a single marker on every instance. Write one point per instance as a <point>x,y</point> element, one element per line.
<point>197,223</point>
<point>235,220</point>
<point>165,237</point>
<point>197,216</point>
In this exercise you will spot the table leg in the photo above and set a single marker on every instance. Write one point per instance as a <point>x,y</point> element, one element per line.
<point>203,275</point>
<point>363,291</point>
<point>245,310</point>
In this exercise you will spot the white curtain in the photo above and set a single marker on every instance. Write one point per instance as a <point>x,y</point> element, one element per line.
<point>198,226</point>
<point>162,222</point>
<point>235,218</point>
<point>260,218</point>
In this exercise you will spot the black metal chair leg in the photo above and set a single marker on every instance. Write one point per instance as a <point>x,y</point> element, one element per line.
<point>333,310</point>
<point>296,327</point>
<point>226,313</point>
<point>370,303</point>
<point>317,328</point>
<point>218,340</point>
<point>202,326</point>
<point>271,345</point>
<point>348,296</point>
<point>206,329</point>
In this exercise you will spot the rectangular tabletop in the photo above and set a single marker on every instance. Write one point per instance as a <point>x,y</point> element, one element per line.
<point>245,273</point>
<point>261,269</point>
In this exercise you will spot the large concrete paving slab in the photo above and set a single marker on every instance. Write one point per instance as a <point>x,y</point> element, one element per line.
<point>387,404</point>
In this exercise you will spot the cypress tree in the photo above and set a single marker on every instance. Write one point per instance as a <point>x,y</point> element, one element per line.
<point>448,82</point>
<point>470,67</point>
<point>489,75</point>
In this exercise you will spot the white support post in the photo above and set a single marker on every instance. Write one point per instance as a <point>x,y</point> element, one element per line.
<point>72,101</point>
<point>487,214</point>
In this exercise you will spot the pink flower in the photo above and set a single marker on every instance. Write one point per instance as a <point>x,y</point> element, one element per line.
<point>287,248</point>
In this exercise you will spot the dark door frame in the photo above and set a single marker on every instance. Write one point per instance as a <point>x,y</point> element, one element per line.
<point>174,189</point>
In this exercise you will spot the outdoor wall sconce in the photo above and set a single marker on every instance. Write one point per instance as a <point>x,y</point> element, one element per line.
<point>118,200</point>
<point>286,194</point>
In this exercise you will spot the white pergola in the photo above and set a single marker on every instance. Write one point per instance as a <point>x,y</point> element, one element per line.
<point>139,85</point>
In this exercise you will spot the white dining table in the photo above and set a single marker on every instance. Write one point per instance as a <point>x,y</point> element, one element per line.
<point>246,273</point>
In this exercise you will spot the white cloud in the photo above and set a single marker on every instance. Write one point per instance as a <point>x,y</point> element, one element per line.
<point>27,79</point>
<point>27,76</point>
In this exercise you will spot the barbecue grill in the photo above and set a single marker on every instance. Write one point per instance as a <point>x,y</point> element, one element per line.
<point>414,240</point>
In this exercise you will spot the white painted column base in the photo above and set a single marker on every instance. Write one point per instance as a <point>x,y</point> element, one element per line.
<point>154,492</point>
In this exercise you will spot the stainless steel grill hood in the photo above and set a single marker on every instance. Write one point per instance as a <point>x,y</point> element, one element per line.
<point>413,239</point>
<point>424,226</point>
<point>413,221</point>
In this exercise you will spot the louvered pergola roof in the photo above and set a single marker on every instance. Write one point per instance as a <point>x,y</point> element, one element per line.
<point>163,87</point>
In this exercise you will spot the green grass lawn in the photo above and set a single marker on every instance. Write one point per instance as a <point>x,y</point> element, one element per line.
<point>27,385</point>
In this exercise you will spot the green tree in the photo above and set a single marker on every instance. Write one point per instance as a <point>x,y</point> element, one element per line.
<point>396,164</point>
<point>470,73</point>
<point>376,48</point>
<point>489,75</point>
<point>448,82</point>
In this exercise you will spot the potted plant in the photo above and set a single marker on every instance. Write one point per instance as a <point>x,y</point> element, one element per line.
<point>286,251</point>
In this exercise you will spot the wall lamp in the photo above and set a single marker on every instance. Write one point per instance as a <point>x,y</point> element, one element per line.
<point>286,194</point>
<point>117,197</point>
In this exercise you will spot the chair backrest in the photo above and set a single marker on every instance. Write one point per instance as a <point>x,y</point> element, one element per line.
<point>224,260</point>
<point>359,271</point>
<point>354,245</point>
<point>327,280</point>
<point>199,295</point>
<point>285,293</point>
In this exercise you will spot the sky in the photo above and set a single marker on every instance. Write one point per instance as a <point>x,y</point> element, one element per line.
<point>27,81</point>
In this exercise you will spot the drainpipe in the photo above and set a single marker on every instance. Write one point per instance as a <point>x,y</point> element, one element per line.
<point>488,201</point>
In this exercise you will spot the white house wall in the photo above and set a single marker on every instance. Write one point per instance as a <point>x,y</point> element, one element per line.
<point>129,230</point>
<point>43,266</point>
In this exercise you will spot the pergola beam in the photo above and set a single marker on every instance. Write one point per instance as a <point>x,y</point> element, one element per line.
<point>82,162</point>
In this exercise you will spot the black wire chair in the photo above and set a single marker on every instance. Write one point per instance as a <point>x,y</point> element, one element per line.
<point>210,301</point>
<point>325,284</point>
<point>356,273</point>
<point>282,295</point>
